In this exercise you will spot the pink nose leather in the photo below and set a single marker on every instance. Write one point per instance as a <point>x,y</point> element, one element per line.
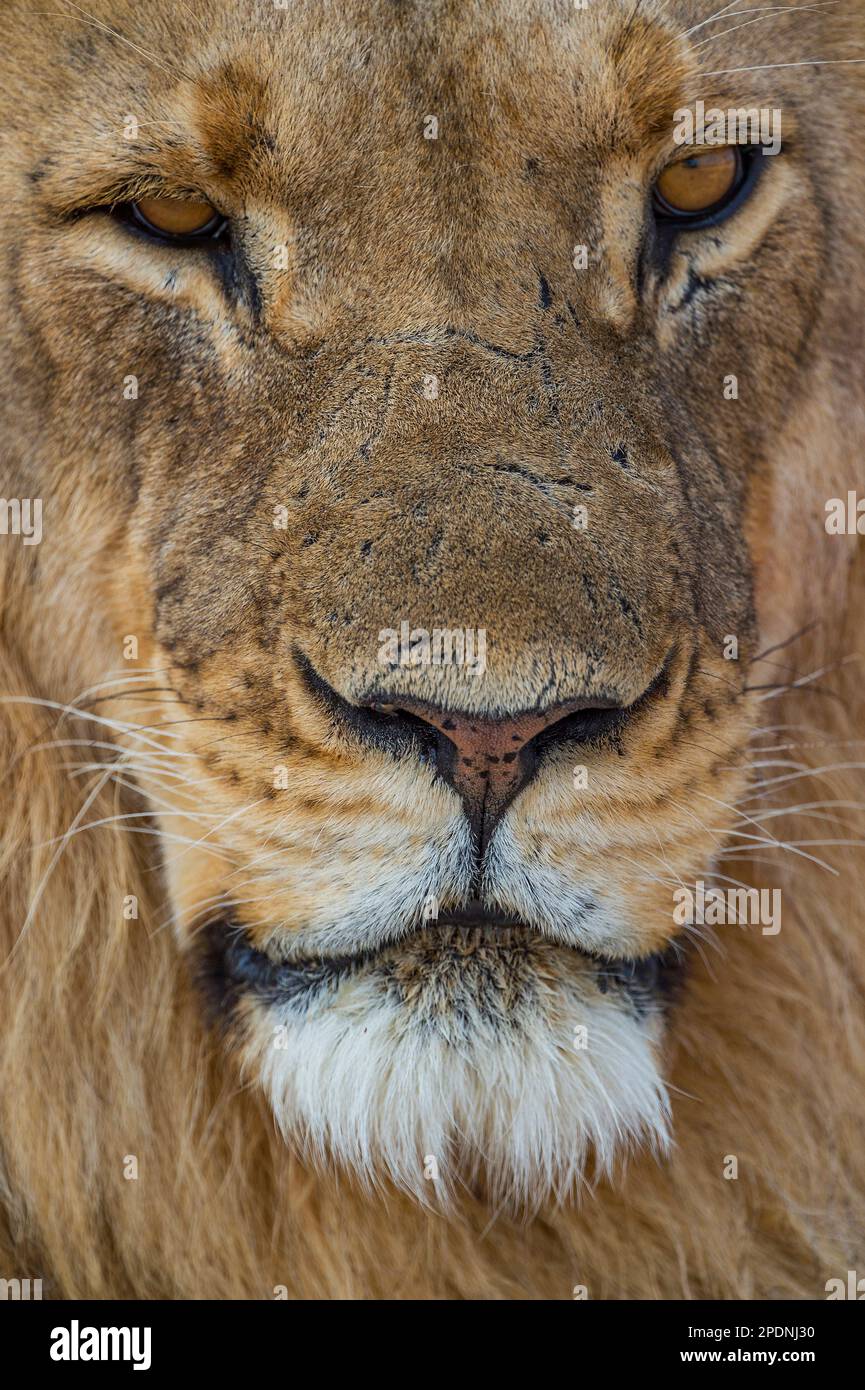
<point>487,762</point>
<point>489,759</point>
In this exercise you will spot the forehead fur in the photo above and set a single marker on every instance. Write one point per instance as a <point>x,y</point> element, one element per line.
<point>290,104</point>
<point>282,369</point>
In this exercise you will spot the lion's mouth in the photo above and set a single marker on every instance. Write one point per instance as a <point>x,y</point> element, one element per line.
<point>234,967</point>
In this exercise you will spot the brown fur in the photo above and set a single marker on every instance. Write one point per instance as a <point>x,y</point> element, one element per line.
<point>406,257</point>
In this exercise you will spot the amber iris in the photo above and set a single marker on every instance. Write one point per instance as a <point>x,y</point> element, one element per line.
<point>177,217</point>
<point>699,183</point>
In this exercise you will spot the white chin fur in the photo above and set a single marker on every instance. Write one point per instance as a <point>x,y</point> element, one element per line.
<point>435,1106</point>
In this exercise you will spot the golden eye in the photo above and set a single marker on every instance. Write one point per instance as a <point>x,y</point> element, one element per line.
<point>178,217</point>
<point>699,184</point>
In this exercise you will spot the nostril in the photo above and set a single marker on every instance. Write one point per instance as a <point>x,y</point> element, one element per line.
<point>582,726</point>
<point>401,726</point>
<point>377,723</point>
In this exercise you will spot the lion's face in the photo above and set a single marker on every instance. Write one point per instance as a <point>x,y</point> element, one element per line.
<point>429,498</point>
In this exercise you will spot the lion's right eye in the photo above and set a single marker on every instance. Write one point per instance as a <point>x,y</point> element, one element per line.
<point>700,187</point>
<point>177,219</point>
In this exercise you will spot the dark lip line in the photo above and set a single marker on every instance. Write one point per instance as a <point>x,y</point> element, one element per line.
<point>233,968</point>
<point>366,721</point>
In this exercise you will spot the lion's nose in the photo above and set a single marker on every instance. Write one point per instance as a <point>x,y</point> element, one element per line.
<point>488,761</point>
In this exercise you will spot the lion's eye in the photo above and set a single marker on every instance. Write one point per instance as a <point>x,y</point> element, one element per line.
<point>700,186</point>
<point>180,219</point>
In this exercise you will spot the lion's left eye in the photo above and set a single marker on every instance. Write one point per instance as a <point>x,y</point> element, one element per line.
<point>178,219</point>
<point>701,186</point>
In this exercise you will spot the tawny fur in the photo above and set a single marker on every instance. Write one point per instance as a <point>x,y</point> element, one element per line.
<point>106,1051</point>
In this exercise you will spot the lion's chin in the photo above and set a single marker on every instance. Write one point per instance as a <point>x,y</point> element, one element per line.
<point>509,1067</point>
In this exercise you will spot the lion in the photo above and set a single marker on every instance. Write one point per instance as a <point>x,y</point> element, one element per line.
<point>431,718</point>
